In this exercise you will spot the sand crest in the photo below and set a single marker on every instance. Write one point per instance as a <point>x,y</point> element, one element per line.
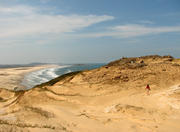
<point>108,99</point>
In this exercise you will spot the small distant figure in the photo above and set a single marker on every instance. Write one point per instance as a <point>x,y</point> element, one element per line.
<point>148,89</point>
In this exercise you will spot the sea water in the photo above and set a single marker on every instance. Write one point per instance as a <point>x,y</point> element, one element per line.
<point>41,76</point>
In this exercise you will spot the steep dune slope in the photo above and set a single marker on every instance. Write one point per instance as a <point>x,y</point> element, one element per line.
<point>110,98</point>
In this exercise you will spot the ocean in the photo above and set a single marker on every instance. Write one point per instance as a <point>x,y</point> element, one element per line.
<point>41,76</point>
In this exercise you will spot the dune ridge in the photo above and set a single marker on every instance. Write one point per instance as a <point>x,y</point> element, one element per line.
<point>108,99</point>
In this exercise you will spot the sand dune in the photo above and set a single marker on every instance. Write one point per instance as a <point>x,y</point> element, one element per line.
<point>108,99</point>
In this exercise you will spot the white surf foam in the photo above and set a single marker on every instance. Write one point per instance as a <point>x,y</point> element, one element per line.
<point>40,76</point>
<point>68,71</point>
<point>52,72</point>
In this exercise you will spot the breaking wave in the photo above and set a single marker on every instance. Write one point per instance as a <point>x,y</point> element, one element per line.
<point>41,76</point>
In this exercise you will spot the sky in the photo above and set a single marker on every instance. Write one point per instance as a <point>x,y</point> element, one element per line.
<point>87,31</point>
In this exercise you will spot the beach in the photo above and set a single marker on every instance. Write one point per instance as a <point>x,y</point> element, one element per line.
<point>11,78</point>
<point>89,66</point>
<point>111,98</point>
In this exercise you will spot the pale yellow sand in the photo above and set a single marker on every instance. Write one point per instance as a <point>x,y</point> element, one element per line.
<point>108,99</point>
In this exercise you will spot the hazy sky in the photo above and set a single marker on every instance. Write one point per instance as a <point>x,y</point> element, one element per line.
<point>82,31</point>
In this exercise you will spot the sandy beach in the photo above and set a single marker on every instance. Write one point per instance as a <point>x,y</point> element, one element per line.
<point>11,78</point>
<point>89,66</point>
<point>108,99</point>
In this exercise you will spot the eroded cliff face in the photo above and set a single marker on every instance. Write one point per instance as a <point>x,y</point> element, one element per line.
<point>110,98</point>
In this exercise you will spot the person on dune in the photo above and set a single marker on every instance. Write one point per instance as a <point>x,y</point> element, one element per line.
<point>148,89</point>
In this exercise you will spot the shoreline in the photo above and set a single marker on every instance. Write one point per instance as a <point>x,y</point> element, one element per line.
<point>11,78</point>
<point>109,98</point>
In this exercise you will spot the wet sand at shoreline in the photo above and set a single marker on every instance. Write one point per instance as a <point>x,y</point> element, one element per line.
<point>10,78</point>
